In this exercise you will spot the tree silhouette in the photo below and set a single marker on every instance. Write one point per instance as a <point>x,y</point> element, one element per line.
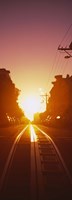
<point>9,109</point>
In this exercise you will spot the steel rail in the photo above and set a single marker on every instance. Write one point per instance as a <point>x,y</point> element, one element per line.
<point>36,173</point>
<point>58,153</point>
<point>10,157</point>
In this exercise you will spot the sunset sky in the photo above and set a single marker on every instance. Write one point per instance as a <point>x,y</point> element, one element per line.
<point>30,33</point>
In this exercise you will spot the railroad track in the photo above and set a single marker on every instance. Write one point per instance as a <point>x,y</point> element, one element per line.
<point>53,180</point>
<point>14,181</point>
<point>35,169</point>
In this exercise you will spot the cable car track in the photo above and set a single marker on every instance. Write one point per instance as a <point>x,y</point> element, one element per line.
<point>55,179</point>
<point>48,176</point>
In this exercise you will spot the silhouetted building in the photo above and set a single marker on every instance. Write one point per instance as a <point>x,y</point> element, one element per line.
<point>60,101</point>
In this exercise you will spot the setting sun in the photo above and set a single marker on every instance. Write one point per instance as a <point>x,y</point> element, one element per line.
<point>30,105</point>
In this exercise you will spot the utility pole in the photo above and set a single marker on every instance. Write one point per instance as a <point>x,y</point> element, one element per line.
<point>46,98</point>
<point>67,50</point>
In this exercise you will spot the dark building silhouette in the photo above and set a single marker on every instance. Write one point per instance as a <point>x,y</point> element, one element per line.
<point>60,100</point>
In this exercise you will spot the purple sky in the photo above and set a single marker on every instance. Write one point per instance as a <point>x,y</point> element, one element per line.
<point>30,33</point>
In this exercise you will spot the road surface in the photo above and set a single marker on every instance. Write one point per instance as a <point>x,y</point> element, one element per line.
<point>35,163</point>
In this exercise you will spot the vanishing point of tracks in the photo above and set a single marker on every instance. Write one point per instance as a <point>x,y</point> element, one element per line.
<point>35,169</point>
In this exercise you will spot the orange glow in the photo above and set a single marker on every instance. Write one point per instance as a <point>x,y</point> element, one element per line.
<point>30,105</point>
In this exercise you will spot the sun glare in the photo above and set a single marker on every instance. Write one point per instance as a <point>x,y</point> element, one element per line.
<point>30,105</point>
<point>33,134</point>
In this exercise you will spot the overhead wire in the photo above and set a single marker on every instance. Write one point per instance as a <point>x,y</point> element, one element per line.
<point>65,66</point>
<point>48,80</point>
<point>65,34</point>
<point>54,69</point>
<point>56,59</point>
<point>66,39</point>
<point>59,65</point>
